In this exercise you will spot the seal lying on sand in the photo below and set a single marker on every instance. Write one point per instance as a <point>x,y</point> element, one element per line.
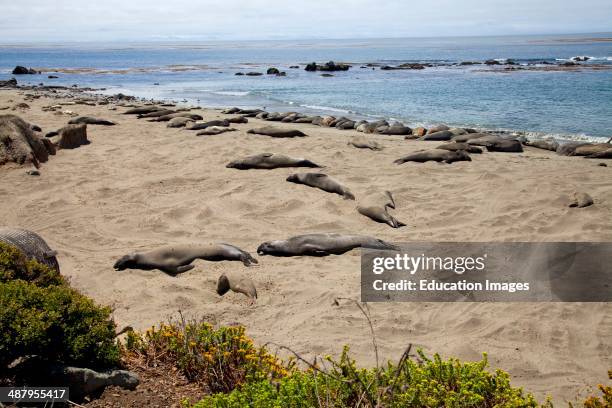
<point>214,130</point>
<point>361,142</point>
<point>454,146</point>
<point>142,110</point>
<point>581,200</point>
<point>276,132</point>
<point>321,245</point>
<point>166,118</point>
<point>322,181</point>
<point>204,125</point>
<point>91,121</point>
<point>177,259</point>
<point>269,161</point>
<point>155,114</point>
<point>505,145</point>
<point>375,207</point>
<point>547,144</point>
<point>438,155</point>
<point>179,122</point>
<point>238,284</point>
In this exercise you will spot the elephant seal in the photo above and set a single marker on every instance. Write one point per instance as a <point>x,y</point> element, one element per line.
<point>156,113</point>
<point>210,123</point>
<point>323,182</point>
<point>548,144</point>
<point>276,132</point>
<point>604,154</point>
<point>179,122</point>
<point>166,118</point>
<point>581,200</point>
<point>269,161</point>
<point>442,135</point>
<point>88,120</point>
<point>484,141</point>
<point>142,110</point>
<point>454,146</point>
<point>468,136</point>
<point>321,245</point>
<point>237,119</point>
<point>591,149</point>
<point>361,142</point>
<point>376,207</point>
<point>506,146</point>
<point>214,130</point>
<point>395,129</point>
<point>178,258</point>
<point>238,284</point>
<point>437,155</point>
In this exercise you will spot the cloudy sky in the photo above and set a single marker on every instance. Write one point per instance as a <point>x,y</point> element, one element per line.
<point>142,20</point>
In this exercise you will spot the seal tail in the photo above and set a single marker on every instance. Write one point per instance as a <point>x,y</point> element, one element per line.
<point>348,195</point>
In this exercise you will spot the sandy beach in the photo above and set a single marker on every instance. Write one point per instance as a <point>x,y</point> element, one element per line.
<point>141,185</point>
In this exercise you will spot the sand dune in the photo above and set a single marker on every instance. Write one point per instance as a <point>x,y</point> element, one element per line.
<point>140,185</point>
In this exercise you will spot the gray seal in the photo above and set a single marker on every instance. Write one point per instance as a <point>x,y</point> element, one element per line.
<point>437,155</point>
<point>321,245</point>
<point>276,132</point>
<point>376,208</point>
<point>178,258</point>
<point>269,161</point>
<point>323,182</point>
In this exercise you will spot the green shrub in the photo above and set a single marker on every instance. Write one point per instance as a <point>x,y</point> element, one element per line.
<point>55,323</point>
<point>426,383</point>
<point>219,359</point>
<point>14,265</point>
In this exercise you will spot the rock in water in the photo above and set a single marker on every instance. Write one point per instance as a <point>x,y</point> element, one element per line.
<point>72,136</point>
<point>19,144</point>
<point>19,70</point>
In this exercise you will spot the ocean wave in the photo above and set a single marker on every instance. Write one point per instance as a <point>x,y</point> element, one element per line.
<point>231,93</point>
<point>325,108</point>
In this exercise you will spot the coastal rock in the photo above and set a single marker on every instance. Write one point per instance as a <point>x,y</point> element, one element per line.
<point>253,74</point>
<point>19,144</point>
<point>492,62</point>
<point>72,136</point>
<point>19,70</point>
<point>11,83</point>
<point>328,66</point>
<point>272,71</point>
<point>580,200</point>
<point>239,73</point>
<point>403,66</point>
<point>327,75</point>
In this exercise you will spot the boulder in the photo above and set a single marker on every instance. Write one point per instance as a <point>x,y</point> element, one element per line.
<point>253,74</point>
<point>328,66</point>
<point>19,70</point>
<point>20,144</point>
<point>11,83</point>
<point>72,136</point>
<point>272,71</point>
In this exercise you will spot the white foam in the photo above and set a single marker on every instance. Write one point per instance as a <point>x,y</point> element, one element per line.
<point>231,93</point>
<point>325,108</point>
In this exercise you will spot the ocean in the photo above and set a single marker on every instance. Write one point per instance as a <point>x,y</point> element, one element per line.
<point>568,104</point>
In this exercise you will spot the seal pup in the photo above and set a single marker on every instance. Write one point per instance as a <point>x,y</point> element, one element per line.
<point>276,132</point>
<point>178,258</point>
<point>88,120</point>
<point>238,284</point>
<point>437,155</point>
<point>375,207</point>
<point>323,182</point>
<point>361,142</point>
<point>269,161</point>
<point>321,245</point>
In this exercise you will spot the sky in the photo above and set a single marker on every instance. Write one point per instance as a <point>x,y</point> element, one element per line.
<point>156,20</point>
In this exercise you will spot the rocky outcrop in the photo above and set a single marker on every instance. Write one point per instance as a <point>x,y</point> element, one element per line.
<point>20,144</point>
<point>72,136</point>
<point>19,70</point>
<point>328,66</point>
